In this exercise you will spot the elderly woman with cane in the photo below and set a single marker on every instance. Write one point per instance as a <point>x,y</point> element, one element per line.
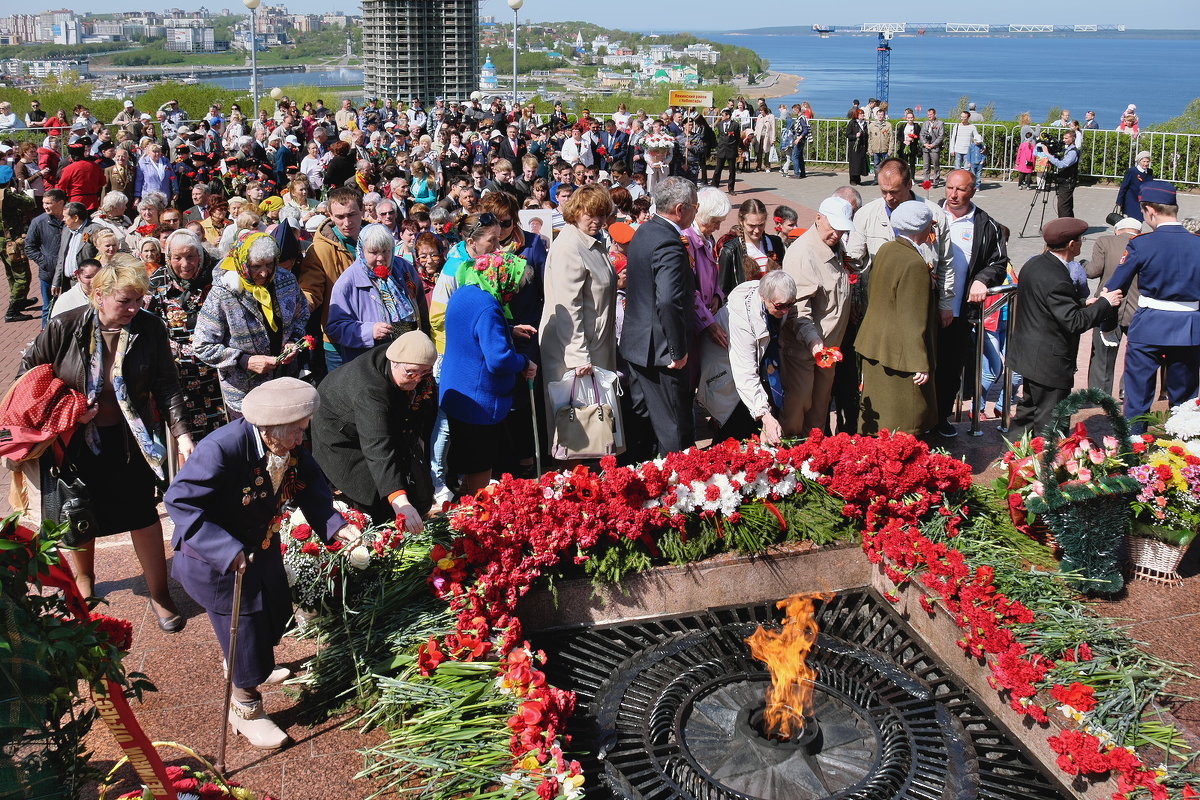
<point>223,503</point>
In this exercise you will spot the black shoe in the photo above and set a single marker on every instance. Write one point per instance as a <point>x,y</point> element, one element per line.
<point>945,430</point>
<point>25,304</point>
<point>172,624</point>
<point>15,316</point>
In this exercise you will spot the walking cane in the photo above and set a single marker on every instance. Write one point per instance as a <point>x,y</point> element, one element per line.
<point>233,634</point>
<point>537,437</point>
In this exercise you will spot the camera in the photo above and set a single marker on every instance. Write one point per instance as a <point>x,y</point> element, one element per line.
<point>1050,143</point>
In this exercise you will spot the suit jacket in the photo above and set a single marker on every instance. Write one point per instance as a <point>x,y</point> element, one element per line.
<point>506,151</point>
<point>615,145</point>
<point>1106,256</point>
<point>195,214</point>
<point>370,436</point>
<point>659,296</point>
<point>729,138</point>
<point>222,504</point>
<point>933,133</point>
<point>1050,317</point>
<point>1166,263</point>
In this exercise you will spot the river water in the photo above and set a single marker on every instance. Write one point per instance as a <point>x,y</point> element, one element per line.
<point>1017,73</point>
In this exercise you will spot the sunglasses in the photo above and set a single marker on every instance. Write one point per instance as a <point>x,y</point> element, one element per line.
<point>505,223</point>
<point>783,306</point>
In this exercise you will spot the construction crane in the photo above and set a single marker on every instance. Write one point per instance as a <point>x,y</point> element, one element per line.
<point>883,66</point>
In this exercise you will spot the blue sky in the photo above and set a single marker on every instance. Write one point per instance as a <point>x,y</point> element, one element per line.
<point>717,14</point>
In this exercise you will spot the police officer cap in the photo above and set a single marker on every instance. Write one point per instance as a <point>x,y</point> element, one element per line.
<point>1061,231</point>
<point>1159,192</point>
<point>280,402</point>
<point>912,216</point>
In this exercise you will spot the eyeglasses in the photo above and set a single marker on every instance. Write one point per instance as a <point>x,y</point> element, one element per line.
<point>783,306</point>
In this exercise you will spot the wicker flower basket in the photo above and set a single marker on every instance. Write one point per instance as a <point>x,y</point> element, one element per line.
<point>1156,553</point>
<point>1090,520</point>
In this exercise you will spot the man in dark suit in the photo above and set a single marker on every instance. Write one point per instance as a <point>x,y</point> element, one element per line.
<point>1106,256</point>
<point>659,314</point>
<point>199,209</point>
<point>371,432</point>
<point>729,139</point>
<point>1165,331</point>
<point>614,143</point>
<point>1050,317</point>
<point>512,147</point>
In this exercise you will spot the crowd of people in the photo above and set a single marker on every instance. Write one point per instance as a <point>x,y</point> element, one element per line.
<point>360,278</point>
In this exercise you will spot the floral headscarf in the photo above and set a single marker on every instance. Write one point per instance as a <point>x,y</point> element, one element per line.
<point>499,274</point>
<point>238,263</point>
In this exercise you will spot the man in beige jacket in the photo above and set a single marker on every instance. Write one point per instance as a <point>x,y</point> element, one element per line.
<point>816,261</point>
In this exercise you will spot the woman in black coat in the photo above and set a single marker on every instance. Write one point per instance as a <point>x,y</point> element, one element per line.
<point>747,252</point>
<point>856,145</point>
<point>118,356</point>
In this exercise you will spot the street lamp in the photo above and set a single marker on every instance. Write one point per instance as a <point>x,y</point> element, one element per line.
<point>253,5</point>
<point>515,5</point>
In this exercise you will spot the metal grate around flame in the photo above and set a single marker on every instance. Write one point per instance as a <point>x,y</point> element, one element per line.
<point>662,702</point>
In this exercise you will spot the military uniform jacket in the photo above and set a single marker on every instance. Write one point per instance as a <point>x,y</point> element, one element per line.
<point>1166,263</point>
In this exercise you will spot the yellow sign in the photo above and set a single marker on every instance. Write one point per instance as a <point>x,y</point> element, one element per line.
<point>689,98</point>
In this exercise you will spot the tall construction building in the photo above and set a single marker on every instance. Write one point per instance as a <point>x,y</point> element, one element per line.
<point>420,48</point>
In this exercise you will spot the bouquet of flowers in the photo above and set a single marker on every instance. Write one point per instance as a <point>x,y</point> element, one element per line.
<point>1183,424</point>
<point>316,570</point>
<point>658,143</point>
<point>293,349</point>
<point>1168,505</point>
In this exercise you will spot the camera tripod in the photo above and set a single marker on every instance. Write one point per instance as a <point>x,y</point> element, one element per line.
<point>1043,187</point>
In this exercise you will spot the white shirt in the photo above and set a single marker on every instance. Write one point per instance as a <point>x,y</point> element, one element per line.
<point>962,232</point>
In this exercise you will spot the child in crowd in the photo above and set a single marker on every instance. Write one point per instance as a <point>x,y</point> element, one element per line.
<point>786,221</point>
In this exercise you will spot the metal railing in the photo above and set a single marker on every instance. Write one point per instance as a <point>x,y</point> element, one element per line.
<point>1005,299</point>
<point>1174,157</point>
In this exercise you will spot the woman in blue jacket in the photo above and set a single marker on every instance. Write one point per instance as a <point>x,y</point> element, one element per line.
<point>481,368</point>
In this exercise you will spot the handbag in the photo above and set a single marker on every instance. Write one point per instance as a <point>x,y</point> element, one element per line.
<point>1115,216</point>
<point>67,500</point>
<point>584,431</point>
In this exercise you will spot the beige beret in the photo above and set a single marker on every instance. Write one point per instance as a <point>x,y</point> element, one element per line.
<point>280,402</point>
<point>413,347</point>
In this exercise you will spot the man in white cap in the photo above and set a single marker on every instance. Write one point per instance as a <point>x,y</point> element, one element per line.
<point>1107,251</point>
<point>817,262</point>
<point>372,431</point>
<point>127,114</point>
<point>223,503</point>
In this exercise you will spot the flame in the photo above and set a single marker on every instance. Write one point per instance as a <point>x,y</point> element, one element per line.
<point>785,652</point>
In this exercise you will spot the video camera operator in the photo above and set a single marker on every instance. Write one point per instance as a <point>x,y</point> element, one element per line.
<point>1068,172</point>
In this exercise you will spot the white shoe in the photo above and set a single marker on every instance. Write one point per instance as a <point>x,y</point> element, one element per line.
<point>251,721</point>
<point>441,497</point>
<point>278,675</point>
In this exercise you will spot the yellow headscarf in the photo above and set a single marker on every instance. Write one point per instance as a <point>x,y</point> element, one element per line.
<point>238,261</point>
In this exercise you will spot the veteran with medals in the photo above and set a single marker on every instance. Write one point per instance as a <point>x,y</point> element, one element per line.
<point>224,503</point>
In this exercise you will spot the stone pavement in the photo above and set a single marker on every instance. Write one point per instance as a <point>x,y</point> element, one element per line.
<point>323,761</point>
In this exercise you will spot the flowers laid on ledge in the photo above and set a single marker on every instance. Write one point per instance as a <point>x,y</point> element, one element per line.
<point>475,674</point>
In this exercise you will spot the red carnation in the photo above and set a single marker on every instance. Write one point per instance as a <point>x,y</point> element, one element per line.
<point>382,271</point>
<point>301,532</point>
<point>310,549</point>
<point>211,791</point>
<point>185,784</point>
<point>1079,696</point>
<point>118,631</point>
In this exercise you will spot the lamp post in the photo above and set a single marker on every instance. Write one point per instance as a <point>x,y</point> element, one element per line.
<point>253,6</point>
<point>515,5</point>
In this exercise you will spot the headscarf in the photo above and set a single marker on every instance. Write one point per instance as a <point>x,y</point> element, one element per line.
<point>272,203</point>
<point>397,299</point>
<point>238,263</point>
<point>499,274</point>
<point>190,290</point>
